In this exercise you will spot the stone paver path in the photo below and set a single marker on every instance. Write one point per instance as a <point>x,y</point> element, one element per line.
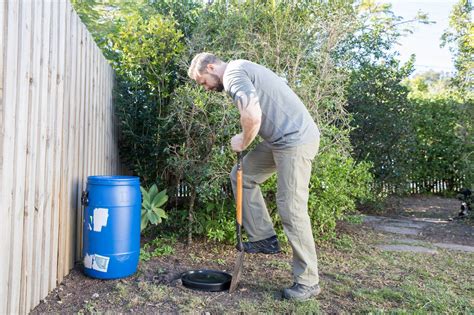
<point>426,235</point>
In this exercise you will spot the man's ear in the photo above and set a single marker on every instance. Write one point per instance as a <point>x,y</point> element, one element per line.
<point>210,68</point>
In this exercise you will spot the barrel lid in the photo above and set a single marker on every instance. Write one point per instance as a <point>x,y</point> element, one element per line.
<point>113,180</point>
<point>206,280</point>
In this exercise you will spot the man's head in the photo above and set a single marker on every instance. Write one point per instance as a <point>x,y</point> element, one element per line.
<point>207,70</point>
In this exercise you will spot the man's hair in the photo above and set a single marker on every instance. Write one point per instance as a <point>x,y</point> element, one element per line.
<point>200,62</point>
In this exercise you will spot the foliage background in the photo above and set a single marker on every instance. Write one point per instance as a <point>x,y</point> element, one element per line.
<point>378,126</point>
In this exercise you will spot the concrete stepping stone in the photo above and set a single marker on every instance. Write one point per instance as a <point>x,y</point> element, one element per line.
<point>407,248</point>
<point>406,223</point>
<point>397,230</point>
<point>464,248</point>
<point>397,226</point>
<point>371,218</point>
<point>432,220</point>
<point>408,241</point>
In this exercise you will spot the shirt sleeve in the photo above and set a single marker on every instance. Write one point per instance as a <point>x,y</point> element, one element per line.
<point>239,86</point>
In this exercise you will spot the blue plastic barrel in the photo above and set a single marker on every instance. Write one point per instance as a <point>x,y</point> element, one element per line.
<point>111,229</point>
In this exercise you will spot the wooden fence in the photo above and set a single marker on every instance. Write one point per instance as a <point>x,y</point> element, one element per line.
<point>434,186</point>
<point>57,127</point>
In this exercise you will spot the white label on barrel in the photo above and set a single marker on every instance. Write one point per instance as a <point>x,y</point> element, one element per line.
<point>100,218</point>
<point>100,263</point>
<point>88,261</point>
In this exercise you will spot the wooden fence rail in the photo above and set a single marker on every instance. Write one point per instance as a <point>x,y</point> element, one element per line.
<point>57,127</point>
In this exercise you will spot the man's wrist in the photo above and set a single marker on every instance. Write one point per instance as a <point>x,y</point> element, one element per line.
<point>246,141</point>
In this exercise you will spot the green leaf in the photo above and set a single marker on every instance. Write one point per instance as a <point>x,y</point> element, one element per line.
<point>160,199</point>
<point>152,217</point>
<point>161,213</point>
<point>153,191</point>
<point>144,223</point>
<point>145,194</point>
<point>146,204</point>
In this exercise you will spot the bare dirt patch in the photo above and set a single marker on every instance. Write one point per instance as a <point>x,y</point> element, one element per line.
<point>157,285</point>
<point>423,207</point>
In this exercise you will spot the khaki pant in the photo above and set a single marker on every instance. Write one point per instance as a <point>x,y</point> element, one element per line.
<point>293,168</point>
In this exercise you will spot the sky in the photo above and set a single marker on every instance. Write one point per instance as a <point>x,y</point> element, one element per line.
<point>425,40</point>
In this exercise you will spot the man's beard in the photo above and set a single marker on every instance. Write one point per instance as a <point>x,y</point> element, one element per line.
<point>219,87</point>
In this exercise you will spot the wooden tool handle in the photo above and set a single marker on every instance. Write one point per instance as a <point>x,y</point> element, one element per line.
<point>239,196</point>
<point>238,207</point>
<point>239,188</point>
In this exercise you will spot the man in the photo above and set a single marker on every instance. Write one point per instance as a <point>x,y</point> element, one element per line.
<point>269,108</point>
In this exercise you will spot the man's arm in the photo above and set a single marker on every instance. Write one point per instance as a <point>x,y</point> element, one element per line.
<point>243,93</point>
<point>250,120</point>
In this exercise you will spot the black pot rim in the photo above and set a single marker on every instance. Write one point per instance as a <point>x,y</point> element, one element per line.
<point>193,279</point>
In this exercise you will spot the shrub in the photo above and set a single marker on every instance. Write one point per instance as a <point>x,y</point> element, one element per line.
<point>337,182</point>
<point>174,131</point>
<point>441,150</point>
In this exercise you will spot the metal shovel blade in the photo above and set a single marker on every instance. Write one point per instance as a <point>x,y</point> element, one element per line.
<point>237,271</point>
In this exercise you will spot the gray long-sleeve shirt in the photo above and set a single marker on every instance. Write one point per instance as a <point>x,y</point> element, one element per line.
<point>285,120</point>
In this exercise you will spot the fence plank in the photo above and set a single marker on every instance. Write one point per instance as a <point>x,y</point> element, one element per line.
<point>21,138</point>
<point>87,113</point>
<point>105,113</point>
<point>79,132</point>
<point>100,110</point>
<point>8,154</point>
<point>108,118</point>
<point>111,122</point>
<point>69,195</point>
<point>100,122</point>
<point>30,180</point>
<point>41,148</point>
<point>82,134</point>
<point>4,208</point>
<point>95,91</point>
<point>87,104</point>
<point>106,137</point>
<point>49,178</point>
<point>19,147</point>
<point>80,127</point>
<point>66,138</point>
<point>94,119</point>
<point>58,128</point>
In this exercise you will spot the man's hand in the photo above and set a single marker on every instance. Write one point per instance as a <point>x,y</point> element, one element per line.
<point>237,142</point>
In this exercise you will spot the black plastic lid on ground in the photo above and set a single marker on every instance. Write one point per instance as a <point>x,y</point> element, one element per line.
<point>206,280</point>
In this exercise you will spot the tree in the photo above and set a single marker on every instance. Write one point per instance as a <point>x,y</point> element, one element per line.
<point>431,82</point>
<point>438,147</point>
<point>147,52</point>
<point>377,99</point>
<point>459,37</point>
